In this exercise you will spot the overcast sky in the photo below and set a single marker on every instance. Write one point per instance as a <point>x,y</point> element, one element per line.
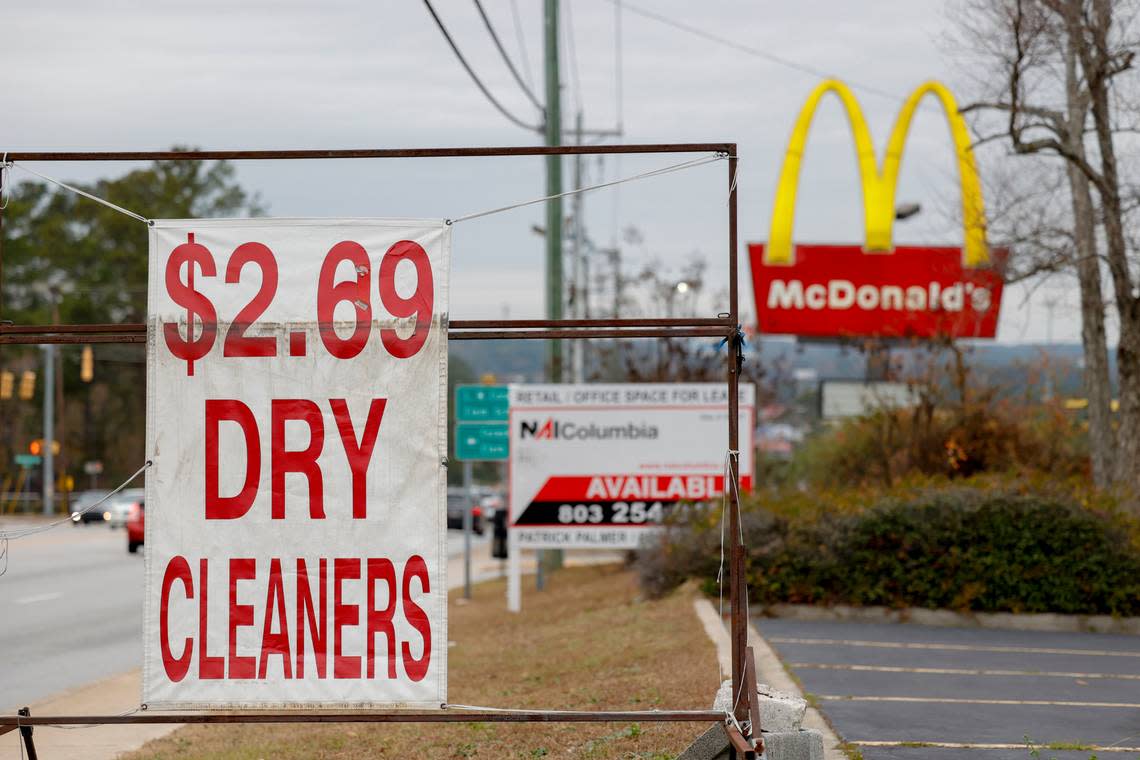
<point>89,75</point>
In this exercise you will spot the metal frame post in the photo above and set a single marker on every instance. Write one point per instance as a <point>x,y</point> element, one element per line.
<point>738,592</point>
<point>26,734</point>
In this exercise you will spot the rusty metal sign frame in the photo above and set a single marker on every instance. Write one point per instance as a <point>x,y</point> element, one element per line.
<point>724,325</point>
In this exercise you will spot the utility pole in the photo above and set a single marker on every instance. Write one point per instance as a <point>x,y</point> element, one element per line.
<point>619,285</point>
<point>554,291</point>
<point>49,429</point>
<point>61,424</point>
<point>578,253</point>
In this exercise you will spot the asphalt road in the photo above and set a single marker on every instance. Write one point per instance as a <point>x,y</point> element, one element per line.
<point>895,690</point>
<point>71,603</point>
<point>71,610</point>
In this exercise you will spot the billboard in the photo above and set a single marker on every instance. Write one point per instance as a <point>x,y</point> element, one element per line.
<point>878,290</point>
<point>599,466</point>
<point>295,508</point>
<point>839,399</point>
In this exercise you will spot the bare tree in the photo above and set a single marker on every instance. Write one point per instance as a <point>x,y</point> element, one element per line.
<point>1061,62</point>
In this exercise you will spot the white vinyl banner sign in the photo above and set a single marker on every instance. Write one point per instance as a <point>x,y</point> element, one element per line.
<point>297,427</point>
<point>599,466</point>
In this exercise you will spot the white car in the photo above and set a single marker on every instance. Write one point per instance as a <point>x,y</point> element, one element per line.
<point>117,509</point>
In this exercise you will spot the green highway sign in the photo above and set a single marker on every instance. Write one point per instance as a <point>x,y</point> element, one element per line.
<point>29,460</point>
<point>481,403</point>
<point>482,440</point>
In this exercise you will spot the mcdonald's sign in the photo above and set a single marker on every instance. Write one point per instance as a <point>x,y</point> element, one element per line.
<point>877,289</point>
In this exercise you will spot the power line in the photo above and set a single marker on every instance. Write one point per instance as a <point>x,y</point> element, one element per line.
<point>507,58</point>
<point>757,52</point>
<point>475,78</point>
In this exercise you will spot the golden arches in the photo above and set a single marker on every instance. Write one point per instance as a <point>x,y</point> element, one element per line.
<point>879,183</point>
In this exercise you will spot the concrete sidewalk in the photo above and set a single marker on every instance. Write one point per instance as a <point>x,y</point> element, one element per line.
<point>112,696</point>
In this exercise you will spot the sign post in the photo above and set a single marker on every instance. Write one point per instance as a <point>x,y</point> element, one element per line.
<point>481,434</point>
<point>93,468</point>
<point>296,418</point>
<point>469,491</point>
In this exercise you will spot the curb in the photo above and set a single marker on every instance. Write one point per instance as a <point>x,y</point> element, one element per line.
<point>1009,621</point>
<point>769,670</point>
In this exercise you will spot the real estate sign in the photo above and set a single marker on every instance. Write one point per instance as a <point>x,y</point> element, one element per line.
<point>599,466</point>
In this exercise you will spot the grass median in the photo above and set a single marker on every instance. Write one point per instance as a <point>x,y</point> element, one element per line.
<point>589,642</point>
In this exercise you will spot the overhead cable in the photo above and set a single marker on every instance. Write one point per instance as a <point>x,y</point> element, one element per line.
<point>475,77</point>
<point>506,58</point>
<point>753,51</point>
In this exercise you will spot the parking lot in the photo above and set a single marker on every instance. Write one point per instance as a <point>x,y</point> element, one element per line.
<point>905,692</point>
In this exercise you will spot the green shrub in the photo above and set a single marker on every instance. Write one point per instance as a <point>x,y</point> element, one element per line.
<point>959,548</point>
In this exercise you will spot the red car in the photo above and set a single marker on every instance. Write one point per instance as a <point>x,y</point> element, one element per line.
<point>135,526</point>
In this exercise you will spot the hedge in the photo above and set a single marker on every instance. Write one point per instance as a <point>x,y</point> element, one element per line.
<point>959,549</point>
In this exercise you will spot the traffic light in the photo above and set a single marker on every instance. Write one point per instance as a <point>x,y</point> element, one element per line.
<point>36,447</point>
<point>87,365</point>
<point>27,385</point>
<point>7,381</point>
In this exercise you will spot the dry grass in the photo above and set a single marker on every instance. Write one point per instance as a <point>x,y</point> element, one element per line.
<point>587,642</point>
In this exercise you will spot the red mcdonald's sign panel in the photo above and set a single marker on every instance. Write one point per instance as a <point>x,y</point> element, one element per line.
<point>832,291</point>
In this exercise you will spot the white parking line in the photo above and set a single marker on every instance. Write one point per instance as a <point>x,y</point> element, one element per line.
<point>949,647</point>
<point>964,671</point>
<point>955,701</point>
<point>40,598</point>
<point>967,745</point>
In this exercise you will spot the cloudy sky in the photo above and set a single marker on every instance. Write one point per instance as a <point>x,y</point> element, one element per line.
<point>91,75</point>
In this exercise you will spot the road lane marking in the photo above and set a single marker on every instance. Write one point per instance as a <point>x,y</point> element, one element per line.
<point>969,745</point>
<point>949,647</point>
<point>957,701</point>
<point>964,671</point>
<point>40,598</point>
